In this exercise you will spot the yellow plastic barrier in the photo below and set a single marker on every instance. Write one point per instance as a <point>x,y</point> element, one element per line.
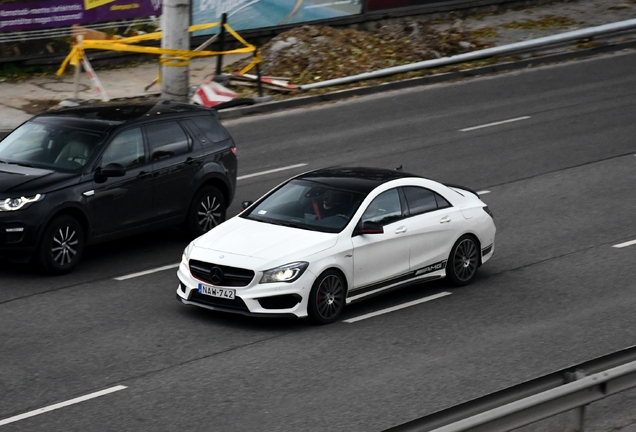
<point>169,57</point>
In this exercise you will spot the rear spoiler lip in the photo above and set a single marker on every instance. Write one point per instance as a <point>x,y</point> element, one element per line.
<point>452,186</point>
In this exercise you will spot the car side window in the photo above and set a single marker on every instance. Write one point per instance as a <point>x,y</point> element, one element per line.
<point>127,149</point>
<point>384,209</point>
<point>167,139</point>
<point>421,200</point>
<point>211,128</point>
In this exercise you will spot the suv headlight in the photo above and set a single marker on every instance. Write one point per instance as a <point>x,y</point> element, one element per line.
<point>286,273</point>
<point>12,204</point>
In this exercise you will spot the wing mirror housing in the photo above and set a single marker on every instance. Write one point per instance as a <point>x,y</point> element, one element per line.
<point>110,170</point>
<point>369,227</point>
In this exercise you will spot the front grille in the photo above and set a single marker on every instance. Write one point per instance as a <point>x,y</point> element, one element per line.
<point>237,304</point>
<point>228,276</point>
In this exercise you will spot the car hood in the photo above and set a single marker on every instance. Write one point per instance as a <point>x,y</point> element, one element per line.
<point>247,238</point>
<point>18,178</point>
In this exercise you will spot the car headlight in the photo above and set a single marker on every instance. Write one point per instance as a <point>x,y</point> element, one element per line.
<point>287,273</point>
<point>186,253</point>
<point>12,204</point>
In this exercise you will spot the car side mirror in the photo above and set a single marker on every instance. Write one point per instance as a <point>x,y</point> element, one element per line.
<point>246,204</point>
<point>369,227</point>
<point>110,170</point>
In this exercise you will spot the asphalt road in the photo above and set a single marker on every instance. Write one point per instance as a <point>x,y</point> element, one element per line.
<point>561,182</point>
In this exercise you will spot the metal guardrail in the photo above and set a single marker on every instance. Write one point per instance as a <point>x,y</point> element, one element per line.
<point>542,42</point>
<point>566,390</point>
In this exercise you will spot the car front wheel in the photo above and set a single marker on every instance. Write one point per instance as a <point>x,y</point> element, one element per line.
<point>62,245</point>
<point>207,210</point>
<point>463,261</point>
<point>327,298</point>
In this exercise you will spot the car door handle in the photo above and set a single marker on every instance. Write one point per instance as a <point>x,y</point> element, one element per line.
<point>400,230</point>
<point>189,161</point>
<point>445,219</point>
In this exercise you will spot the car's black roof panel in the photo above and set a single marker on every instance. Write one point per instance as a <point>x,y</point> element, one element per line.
<point>124,112</point>
<point>358,179</point>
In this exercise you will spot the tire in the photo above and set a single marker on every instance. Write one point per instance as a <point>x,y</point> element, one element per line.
<point>62,246</point>
<point>207,210</point>
<point>463,261</point>
<point>327,298</point>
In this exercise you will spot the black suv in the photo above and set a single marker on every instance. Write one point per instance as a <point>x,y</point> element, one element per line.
<point>92,173</point>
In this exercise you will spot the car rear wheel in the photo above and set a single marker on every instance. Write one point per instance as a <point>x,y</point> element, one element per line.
<point>207,210</point>
<point>62,245</point>
<point>463,261</point>
<point>327,298</point>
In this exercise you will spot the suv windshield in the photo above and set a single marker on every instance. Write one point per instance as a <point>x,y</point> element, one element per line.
<point>308,205</point>
<point>55,147</point>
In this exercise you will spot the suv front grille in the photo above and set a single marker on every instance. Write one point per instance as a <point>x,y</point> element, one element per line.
<point>221,275</point>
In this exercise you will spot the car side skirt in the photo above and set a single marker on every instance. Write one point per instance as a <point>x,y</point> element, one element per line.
<point>425,274</point>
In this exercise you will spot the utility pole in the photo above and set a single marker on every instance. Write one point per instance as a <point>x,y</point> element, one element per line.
<point>175,21</point>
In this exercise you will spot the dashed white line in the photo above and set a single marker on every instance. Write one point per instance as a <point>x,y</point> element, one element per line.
<point>622,245</point>
<point>143,273</point>
<point>270,171</point>
<point>398,307</point>
<point>60,405</point>
<point>495,123</point>
<point>484,192</point>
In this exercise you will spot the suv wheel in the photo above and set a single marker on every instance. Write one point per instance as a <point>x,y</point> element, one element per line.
<point>207,210</point>
<point>62,245</point>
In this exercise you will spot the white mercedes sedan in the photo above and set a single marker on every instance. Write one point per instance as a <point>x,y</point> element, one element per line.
<point>333,236</point>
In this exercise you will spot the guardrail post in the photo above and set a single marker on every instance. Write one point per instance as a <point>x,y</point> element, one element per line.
<point>219,59</point>
<point>577,415</point>
<point>258,75</point>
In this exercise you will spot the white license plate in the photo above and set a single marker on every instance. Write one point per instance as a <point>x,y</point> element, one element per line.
<point>216,292</point>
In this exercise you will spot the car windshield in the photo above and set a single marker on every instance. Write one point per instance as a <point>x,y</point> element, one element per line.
<point>49,146</point>
<point>308,205</point>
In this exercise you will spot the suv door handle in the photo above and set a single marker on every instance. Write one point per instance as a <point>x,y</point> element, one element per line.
<point>400,230</point>
<point>189,161</point>
<point>445,219</point>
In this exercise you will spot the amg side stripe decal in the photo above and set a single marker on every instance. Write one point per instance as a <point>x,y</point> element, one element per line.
<point>399,279</point>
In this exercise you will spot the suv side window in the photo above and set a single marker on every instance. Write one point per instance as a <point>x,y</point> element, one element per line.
<point>422,200</point>
<point>127,149</point>
<point>384,209</point>
<point>211,128</point>
<point>167,139</point>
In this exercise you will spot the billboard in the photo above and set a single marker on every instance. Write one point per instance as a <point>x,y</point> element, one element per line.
<point>30,15</point>
<point>251,14</point>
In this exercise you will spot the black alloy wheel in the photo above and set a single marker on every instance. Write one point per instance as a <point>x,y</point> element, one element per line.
<point>62,245</point>
<point>207,210</point>
<point>463,261</point>
<point>327,298</point>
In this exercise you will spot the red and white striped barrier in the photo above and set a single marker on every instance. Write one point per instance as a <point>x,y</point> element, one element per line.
<point>97,84</point>
<point>211,93</point>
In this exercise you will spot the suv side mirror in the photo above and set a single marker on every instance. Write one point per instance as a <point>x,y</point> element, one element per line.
<point>110,170</point>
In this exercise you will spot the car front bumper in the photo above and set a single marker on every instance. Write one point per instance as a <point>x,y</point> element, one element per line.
<point>255,299</point>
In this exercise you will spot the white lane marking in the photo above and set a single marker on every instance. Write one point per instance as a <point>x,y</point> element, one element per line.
<point>484,192</point>
<point>61,405</point>
<point>622,245</point>
<point>270,171</point>
<point>143,273</point>
<point>398,307</point>
<point>494,124</point>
